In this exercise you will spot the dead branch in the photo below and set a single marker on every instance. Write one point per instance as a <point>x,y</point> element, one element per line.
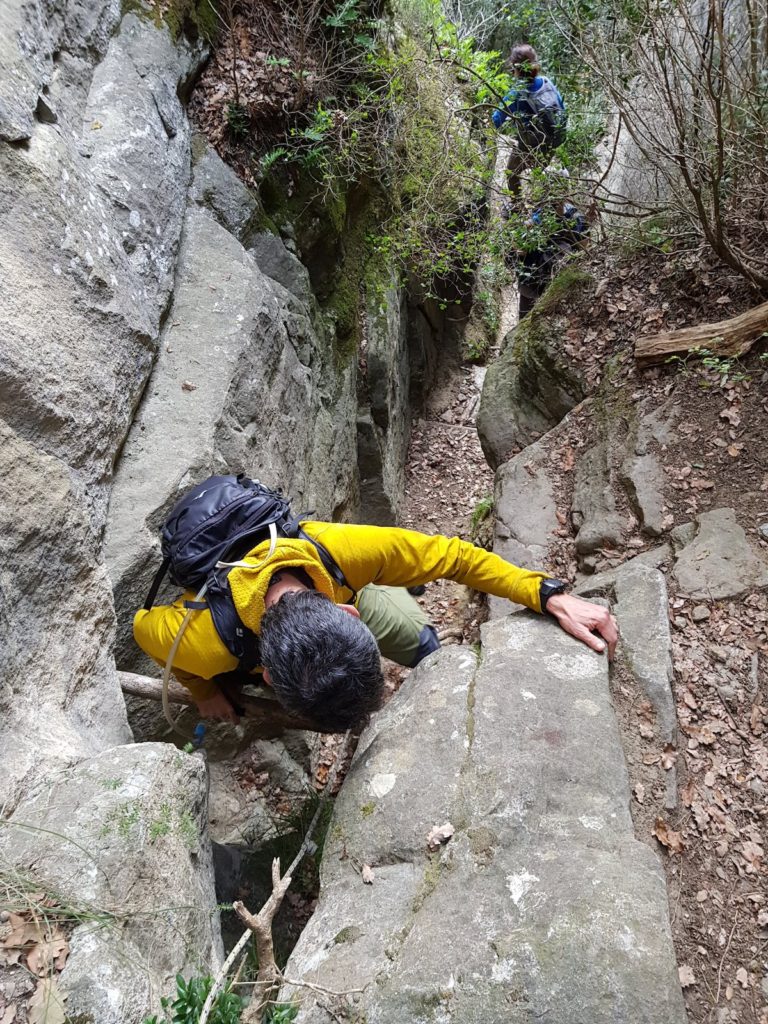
<point>263,709</point>
<point>731,338</point>
<point>260,925</point>
<point>268,977</point>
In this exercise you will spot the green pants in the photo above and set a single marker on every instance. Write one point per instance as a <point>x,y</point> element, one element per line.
<point>401,627</point>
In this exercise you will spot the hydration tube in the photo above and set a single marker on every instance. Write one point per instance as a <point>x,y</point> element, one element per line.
<point>190,612</point>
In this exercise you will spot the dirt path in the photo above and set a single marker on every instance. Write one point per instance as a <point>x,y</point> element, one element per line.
<point>447,477</point>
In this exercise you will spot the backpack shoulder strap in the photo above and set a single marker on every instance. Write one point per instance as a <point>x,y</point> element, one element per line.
<point>328,561</point>
<point>239,640</point>
<point>156,583</point>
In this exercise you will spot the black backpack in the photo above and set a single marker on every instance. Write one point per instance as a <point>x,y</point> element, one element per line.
<point>217,522</point>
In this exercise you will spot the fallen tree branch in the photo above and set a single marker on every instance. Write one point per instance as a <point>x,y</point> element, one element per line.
<point>266,710</point>
<point>730,338</point>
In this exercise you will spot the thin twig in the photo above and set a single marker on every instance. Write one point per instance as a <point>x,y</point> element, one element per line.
<point>277,885</point>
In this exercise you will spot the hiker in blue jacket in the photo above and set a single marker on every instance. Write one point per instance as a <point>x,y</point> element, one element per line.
<point>536,110</point>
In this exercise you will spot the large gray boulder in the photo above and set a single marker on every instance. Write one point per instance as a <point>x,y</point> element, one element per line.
<point>244,381</point>
<point>525,509</point>
<point>531,386</point>
<point>59,695</point>
<point>542,904</point>
<point>120,839</point>
<point>89,228</point>
<point>384,419</point>
<point>717,560</point>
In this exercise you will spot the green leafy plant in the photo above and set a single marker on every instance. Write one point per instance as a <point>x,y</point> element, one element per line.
<point>271,158</point>
<point>190,999</point>
<point>717,371</point>
<point>281,1013</point>
<point>344,16</point>
<point>238,120</point>
<point>481,511</point>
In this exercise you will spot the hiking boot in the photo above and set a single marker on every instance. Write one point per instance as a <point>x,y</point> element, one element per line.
<point>417,591</point>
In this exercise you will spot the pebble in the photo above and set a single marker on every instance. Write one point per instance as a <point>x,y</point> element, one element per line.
<point>763,530</point>
<point>700,613</point>
<point>680,621</point>
<point>757,786</point>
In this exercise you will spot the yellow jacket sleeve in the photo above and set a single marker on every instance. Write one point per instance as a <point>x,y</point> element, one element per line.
<point>201,654</point>
<point>404,558</point>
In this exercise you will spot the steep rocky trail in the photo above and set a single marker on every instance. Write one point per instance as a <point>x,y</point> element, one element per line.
<point>447,480</point>
<point>665,471</point>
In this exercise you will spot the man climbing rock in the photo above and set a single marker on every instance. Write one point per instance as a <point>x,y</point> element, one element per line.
<point>316,649</point>
<point>536,110</point>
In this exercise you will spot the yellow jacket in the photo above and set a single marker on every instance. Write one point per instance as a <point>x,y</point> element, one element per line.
<point>365,554</point>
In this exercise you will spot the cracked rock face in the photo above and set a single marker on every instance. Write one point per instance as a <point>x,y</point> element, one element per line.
<point>123,834</point>
<point>542,903</point>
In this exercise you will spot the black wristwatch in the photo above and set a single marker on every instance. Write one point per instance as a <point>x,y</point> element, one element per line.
<point>548,588</point>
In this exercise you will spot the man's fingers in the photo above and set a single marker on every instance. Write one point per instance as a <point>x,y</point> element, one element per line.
<point>589,638</point>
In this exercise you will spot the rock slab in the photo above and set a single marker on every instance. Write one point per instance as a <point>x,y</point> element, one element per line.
<point>542,906</point>
<point>718,560</point>
<point>121,839</point>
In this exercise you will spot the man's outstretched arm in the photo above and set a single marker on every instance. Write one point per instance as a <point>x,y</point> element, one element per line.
<point>403,558</point>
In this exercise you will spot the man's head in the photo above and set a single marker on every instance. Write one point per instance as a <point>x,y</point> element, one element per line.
<point>322,661</point>
<point>524,62</point>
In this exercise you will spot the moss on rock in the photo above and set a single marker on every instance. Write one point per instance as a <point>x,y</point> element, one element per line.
<point>532,385</point>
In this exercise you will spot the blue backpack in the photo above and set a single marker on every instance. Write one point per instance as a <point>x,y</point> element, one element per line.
<point>208,531</point>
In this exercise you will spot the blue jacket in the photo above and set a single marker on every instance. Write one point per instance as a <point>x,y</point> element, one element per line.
<point>515,105</point>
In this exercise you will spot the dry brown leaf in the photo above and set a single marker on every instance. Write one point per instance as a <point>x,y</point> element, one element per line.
<point>668,758</point>
<point>756,719</point>
<point>639,791</point>
<point>686,976</point>
<point>10,1014</point>
<point>19,931</point>
<point>439,834</point>
<point>43,955</point>
<point>687,793</point>
<point>742,977</point>
<point>752,854</point>
<point>732,415</point>
<point>672,840</point>
<point>729,992</point>
<point>690,700</point>
<point>367,874</point>
<point>47,1004</point>
<point>646,730</point>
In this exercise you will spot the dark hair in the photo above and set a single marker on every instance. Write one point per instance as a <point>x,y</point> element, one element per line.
<point>324,662</point>
<point>524,61</point>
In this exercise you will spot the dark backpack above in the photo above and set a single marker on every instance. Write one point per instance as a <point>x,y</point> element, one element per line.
<point>219,521</point>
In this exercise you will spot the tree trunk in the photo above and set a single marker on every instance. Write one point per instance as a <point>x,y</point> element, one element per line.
<point>727,338</point>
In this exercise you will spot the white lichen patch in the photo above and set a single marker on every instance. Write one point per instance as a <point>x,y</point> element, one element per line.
<point>588,707</point>
<point>519,885</point>
<point>503,970</point>
<point>572,666</point>
<point>527,695</point>
<point>382,784</point>
<point>592,822</point>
